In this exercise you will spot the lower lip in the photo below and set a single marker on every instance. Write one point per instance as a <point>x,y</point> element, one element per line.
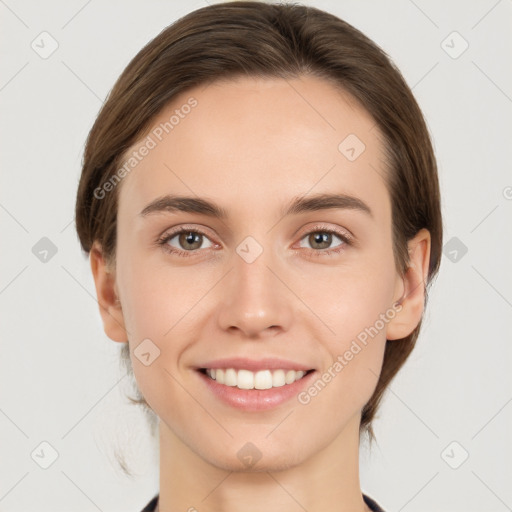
<point>256,399</point>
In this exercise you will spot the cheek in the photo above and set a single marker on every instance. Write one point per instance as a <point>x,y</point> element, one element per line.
<point>161,308</point>
<point>358,308</point>
<point>354,355</point>
<point>154,298</point>
<point>352,299</point>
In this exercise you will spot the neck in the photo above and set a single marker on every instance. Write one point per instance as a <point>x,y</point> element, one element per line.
<point>327,481</point>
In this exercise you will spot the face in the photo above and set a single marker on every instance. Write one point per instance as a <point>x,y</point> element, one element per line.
<point>266,285</point>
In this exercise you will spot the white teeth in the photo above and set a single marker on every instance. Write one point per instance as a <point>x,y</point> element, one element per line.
<point>290,377</point>
<point>230,377</point>
<point>262,379</point>
<point>245,379</point>
<point>278,379</point>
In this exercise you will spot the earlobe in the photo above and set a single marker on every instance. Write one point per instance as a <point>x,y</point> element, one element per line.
<point>108,301</point>
<point>412,301</point>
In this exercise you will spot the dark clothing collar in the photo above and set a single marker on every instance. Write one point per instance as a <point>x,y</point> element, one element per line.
<point>151,506</point>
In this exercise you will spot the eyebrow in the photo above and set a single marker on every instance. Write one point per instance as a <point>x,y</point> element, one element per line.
<point>175,203</point>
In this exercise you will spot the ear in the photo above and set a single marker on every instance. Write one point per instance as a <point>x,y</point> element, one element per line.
<point>412,294</point>
<point>106,291</point>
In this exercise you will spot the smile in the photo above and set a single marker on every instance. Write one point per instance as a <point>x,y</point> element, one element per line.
<point>255,391</point>
<point>262,379</point>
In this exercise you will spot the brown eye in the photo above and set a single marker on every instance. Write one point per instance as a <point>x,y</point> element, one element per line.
<point>185,240</point>
<point>190,240</point>
<point>322,240</point>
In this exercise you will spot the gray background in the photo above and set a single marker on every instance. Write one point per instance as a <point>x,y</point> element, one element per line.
<point>60,380</point>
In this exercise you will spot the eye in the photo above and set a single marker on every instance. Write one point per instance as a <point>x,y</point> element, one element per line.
<point>321,239</point>
<point>189,241</point>
<point>184,241</point>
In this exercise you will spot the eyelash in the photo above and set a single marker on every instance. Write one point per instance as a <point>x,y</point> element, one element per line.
<point>344,237</point>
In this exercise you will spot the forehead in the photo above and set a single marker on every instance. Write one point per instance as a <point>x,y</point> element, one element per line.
<point>257,140</point>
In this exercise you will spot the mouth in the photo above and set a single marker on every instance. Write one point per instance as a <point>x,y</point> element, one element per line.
<point>257,380</point>
<point>254,391</point>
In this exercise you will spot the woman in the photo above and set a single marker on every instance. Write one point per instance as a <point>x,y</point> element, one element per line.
<point>260,203</point>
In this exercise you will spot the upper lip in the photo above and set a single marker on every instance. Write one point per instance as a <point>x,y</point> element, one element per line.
<point>269,363</point>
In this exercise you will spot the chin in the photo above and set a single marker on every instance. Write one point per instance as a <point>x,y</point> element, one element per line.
<point>263,461</point>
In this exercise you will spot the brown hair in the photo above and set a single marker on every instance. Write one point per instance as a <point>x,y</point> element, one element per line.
<point>269,40</point>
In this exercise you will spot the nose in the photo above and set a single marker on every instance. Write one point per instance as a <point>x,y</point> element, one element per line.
<point>254,301</point>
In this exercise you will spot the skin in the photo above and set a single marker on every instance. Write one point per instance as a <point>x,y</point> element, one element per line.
<point>251,145</point>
